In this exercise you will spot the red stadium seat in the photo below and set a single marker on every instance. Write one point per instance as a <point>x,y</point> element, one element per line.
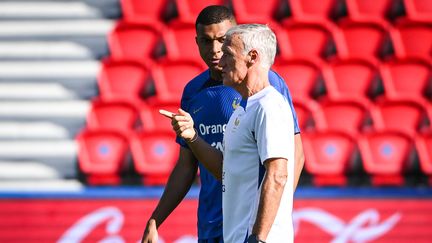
<point>154,155</point>
<point>424,149</point>
<point>102,156</point>
<point>352,79</point>
<point>300,75</point>
<point>151,118</point>
<point>188,10</point>
<point>171,76</point>
<point>122,80</point>
<point>309,10</point>
<point>179,39</point>
<point>304,40</point>
<point>144,10</point>
<point>329,156</point>
<point>428,107</point>
<point>361,39</point>
<point>247,11</point>
<point>420,10</point>
<point>136,41</point>
<point>385,156</point>
<point>404,116</point>
<point>406,78</point>
<point>348,116</point>
<point>412,39</point>
<point>369,9</point>
<point>113,116</point>
<point>304,109</point>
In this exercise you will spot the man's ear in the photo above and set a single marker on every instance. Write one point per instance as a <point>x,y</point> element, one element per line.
<point>253,56</point>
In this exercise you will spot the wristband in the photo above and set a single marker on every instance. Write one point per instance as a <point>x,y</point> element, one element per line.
<point>254,239</point>
<point>194,137</point>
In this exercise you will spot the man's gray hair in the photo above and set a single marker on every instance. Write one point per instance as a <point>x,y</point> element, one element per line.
<point>259,37</point>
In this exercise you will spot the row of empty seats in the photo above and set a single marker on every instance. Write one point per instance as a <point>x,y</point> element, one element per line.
<point>337,128</point>
<point>104,156</point>
<point>387,157</point>
<point>331,156</point>
<point>364,39</point>
<point>256,11</point>
<point>345,115</point>
<point>353,79</point>
<point>132,81</point>
<point>353,117</point>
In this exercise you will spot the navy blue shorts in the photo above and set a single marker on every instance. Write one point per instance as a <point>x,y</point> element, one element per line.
<point>212,240</point>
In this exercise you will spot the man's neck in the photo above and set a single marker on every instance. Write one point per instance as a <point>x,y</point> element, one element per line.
<point>215,75</point>
<point>254,82</point>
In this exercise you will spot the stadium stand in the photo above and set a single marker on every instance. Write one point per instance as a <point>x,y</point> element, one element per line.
<point>49,58</point>
<point>357,70</point>
<point>84,154</point>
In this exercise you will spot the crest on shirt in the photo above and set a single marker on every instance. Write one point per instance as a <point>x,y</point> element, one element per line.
<point>237,121</point>
<point>235,103</point>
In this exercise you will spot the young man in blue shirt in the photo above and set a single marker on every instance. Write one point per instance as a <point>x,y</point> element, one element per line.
<point>211,104</point>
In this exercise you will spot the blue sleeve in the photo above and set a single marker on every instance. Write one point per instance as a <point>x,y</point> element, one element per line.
<point>184,105</point>
<point>279,84</point>
<point>189,91</point>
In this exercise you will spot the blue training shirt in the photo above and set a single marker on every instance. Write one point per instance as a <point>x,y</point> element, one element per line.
<point>211,104</point>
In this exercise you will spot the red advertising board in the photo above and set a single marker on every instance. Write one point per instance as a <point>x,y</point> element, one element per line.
<point>122,220</point>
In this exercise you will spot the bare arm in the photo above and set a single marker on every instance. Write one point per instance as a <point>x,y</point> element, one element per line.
<point>271,194</point>
<point>299,159</point>
<point>210,157</point>
<point>179,183</point>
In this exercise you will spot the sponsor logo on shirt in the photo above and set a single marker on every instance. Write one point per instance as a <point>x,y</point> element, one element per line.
<point>211,129</point>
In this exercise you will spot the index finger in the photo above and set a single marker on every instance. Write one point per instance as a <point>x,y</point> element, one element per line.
<point>166,113</point>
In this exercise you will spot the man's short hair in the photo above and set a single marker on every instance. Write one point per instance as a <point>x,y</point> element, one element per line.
<point>214,14</point>
<point>259,37</point>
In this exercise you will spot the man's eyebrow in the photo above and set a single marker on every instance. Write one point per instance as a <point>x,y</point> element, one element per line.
<point>204,36</point>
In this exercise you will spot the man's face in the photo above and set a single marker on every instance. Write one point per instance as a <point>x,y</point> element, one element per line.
<point>209,40</point>
<point>233,62</point>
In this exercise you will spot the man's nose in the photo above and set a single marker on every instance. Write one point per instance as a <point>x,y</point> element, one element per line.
<point>216,46</point>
